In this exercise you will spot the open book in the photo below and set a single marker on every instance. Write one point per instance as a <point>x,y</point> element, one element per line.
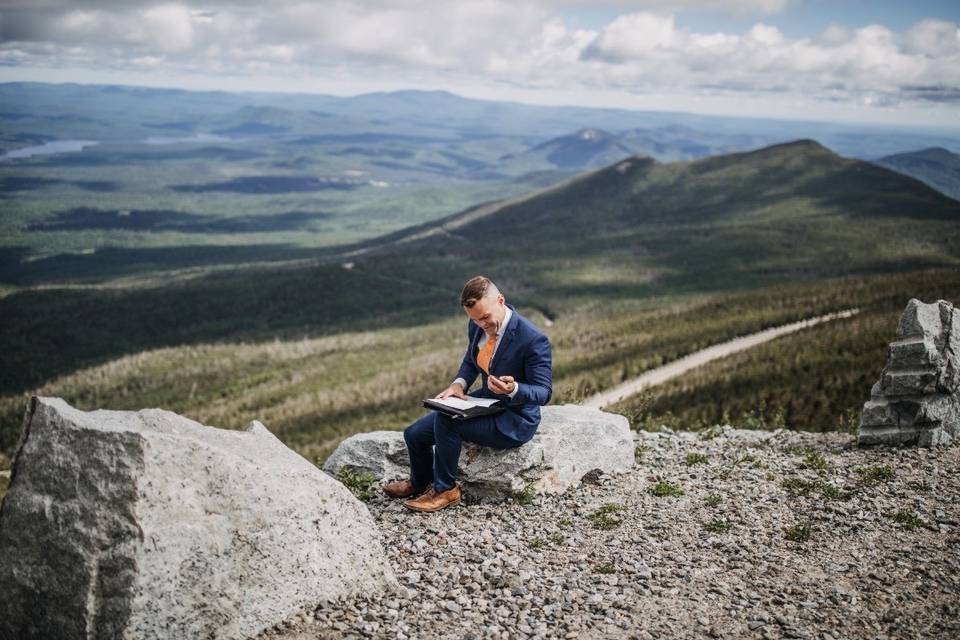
<point>461,409</point>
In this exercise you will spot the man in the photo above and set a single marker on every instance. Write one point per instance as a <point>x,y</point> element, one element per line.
<point>512,358</point>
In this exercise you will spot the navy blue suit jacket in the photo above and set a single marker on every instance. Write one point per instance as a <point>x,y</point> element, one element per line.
<point>524,353</point>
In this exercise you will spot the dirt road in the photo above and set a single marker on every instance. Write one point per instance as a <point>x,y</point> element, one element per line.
<point>684,364</point>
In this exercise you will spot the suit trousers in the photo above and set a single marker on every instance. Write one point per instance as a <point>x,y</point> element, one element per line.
<point>434,442</point>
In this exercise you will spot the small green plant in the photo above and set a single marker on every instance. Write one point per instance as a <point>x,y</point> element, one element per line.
<point>696,458</point>
<point>664,489</point>
<point>639,450</point>
<point>799,487</point>
<point>745,458</point>
<point>713,500</point>
<point>637,414</point>
<point>525,495</point>
<point>713,432</point>
<point>536,543</point>
<point>849,421</point>
<point>760,420</point>
<point>870,476</point>
<point>662,534</point>
<point>816,461</point>
<point>358,482</point>
<point>556,538</point>
<point>831,492</point>
<point>565,522</point>
<point>603,517</point>
<point>797,533</point>
<point>717,526</point>
<point>795,450</point>
<point>919,485</point>
<point>606,567</point>
<point>907,519</point>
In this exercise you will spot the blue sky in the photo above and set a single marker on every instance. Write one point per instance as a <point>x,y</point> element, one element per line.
<point>840,60</point>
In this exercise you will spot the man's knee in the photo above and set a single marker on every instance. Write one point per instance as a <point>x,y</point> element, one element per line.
<point>442,423</point>
<point>420,430</point>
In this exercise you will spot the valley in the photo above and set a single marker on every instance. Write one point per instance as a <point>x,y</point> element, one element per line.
<point>302,266</point>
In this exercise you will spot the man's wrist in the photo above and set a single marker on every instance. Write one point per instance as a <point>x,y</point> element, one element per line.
<point>516,387</point>
<point>461,382</point>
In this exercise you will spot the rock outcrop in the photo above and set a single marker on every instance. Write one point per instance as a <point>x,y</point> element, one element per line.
<point>570,442</point>
<point>145,524</point>
<point>917,399</point>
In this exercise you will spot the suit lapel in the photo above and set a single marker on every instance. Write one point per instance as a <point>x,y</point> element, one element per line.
<point>507,338</point>
<point>473,345</point>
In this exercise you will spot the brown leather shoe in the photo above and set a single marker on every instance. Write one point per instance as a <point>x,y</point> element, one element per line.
<point>403,489</point>
<point>433,501</point>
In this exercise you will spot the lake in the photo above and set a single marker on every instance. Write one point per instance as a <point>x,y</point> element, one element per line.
<point>48,148</point>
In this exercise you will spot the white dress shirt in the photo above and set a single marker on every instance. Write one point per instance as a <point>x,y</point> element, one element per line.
<point>483,341</point>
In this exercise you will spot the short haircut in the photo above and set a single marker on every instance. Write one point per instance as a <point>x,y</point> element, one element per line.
<point>475,289</point>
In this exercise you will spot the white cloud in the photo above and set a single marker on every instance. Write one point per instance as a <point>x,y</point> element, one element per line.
<point>492,42</point>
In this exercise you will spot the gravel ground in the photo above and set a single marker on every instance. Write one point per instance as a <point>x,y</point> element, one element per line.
<point>776,534</point>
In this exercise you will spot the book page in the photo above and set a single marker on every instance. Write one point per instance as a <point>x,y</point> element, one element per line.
<point>463,405</point>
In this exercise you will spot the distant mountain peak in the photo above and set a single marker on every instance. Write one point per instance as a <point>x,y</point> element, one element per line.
<point>936,166</point>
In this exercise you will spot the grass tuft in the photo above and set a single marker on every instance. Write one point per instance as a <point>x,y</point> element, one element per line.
<point>664,489</point>
<point>871,476</point>
<point>717,526</point>
<point>696,458</point>
<point>603,517</point>
<point>907,519</point>
<point>816,461</point>
<point>524,496</point>
<point>797,533</point>
<point>606,567</point>
<point>358,482</point>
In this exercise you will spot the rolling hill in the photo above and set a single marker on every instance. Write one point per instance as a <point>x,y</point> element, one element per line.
<point>636,228</point>
<point>936,166</point>
<point>587,148</point>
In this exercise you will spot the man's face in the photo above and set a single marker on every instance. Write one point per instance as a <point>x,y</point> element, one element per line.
<point>488,313</point>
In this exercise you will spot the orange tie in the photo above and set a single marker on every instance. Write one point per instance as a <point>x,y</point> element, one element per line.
<point>486,353</point>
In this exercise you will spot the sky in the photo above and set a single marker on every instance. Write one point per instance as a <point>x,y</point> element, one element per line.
<point>868,61</point>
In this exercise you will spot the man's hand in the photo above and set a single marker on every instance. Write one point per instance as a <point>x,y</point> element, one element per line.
<point>453,390</point>
<point>502,384</point>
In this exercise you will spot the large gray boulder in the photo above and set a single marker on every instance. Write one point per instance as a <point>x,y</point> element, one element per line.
<point>121,524</point>
<point>916,401</point>
<point>570,442</point>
